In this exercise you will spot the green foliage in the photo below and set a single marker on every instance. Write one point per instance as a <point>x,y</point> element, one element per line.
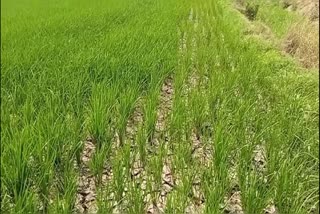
<point>75,69</point>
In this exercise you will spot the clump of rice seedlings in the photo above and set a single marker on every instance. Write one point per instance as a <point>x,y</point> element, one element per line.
<point>16,170</point>
<point>97,163</point>
<point>119,178</point>
<point>50,156</point>
<point>214,190</point>
<point>178,120</point>
<point>67,186</point>
<point>104,199</point>
<point>150,111</point>
<point>170,205</point>
<point>183,155</point>
<point>185,189</point>
<point>100,113</point>
<point>135,199</point>
<point>197,103</point>
<point>156,166</point>
<point>127,158</point>
<point>126,103</point>
<point>141,139</point>
<point>222,149</point>
<point>154,170</point>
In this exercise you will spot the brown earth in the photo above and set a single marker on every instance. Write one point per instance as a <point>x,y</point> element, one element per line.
<point>302,42</point>
<point>309,8</point>
<point>302,39</point>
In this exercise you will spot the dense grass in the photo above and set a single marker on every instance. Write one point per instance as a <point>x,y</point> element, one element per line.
<point>74,69</point>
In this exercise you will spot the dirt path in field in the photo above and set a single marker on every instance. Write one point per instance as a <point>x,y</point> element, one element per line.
<point>86,196</point>
<point>135,121</point>
<point>161,137</point>
<point>188,44</point>
<point>169,180</point>
<point>199,151</point>
<point>164,110</point>
<point>308,8</point>
<point>86,201</point>
<point>137,172</point>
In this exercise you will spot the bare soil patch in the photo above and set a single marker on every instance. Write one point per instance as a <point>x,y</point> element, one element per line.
<point>86,196</point>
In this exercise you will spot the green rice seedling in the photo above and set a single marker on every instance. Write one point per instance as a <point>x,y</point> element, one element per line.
<point>70,191</point>
<point>126,154</point>
<point>67,186</point>
<point>97,162</point>
<point>222,149</point>
<point>77,150</point>
<point>104,201</point>
<point>173,200</point>
<point>126,104</point>
<point>44,161</point>
<point>52,128</point>
<point>178,117</point>
<point>76,119</point>
<point>198,111</point>
<point>154,170</point>
<point>216,183</point>
<point>183,157</point>
<point>45,180</point>
<point>156,166</point>
<point>118,181</point>
<point>285,188</point>
<point>150,110</point>
<point>135,199</point>
<point>251,185</point>
<point>151,192</point>
<point>249,193</point>
<point>214,191</point>
<point>185,190</point>
<point>141,139</point>
<point>16,171</point>
<point>27,202</point>
<point>179,123</point>
<point>101,107</point>
<point>53,164</point>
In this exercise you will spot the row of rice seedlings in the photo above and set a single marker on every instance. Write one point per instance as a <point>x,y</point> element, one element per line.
<point>212,132</point>
<point>239,108</point>
<point>101,128</point>
<point>48,162</point>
